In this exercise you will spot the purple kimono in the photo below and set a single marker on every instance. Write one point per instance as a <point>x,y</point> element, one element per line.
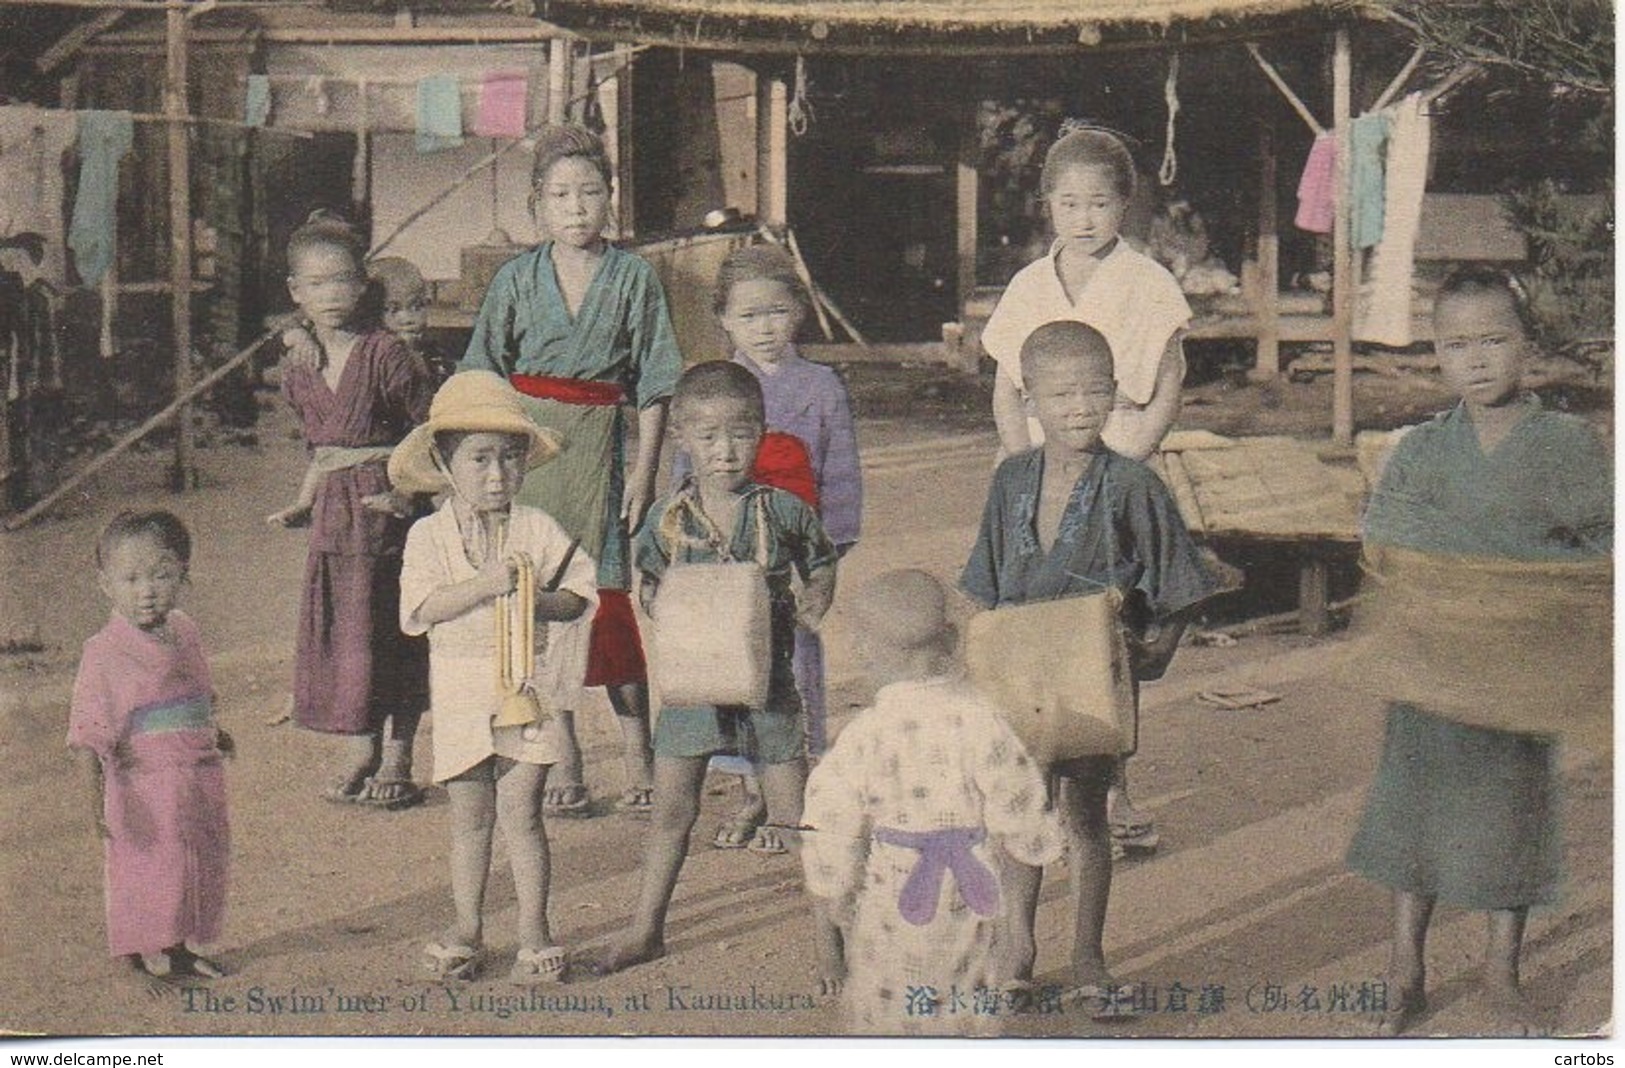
<point>165,806</point>
<point>352,664</point>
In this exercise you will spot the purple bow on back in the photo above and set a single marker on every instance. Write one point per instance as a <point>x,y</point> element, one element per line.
<point>946,850</point>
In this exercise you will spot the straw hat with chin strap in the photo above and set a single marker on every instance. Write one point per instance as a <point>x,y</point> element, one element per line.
<point>469,402</point>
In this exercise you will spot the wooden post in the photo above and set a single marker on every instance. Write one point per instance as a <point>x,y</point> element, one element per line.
<point>558,79</point>
<point>1314,595</point>
<point>180,238</point>
<point>1342,257</point>
<point>772,152</point>
<point>619,114</point>
<point>1268,363</point>
<point>967,190</point>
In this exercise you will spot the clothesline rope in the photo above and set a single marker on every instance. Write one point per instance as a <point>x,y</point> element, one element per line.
<point>1170,95</point>
<point>798,115</point>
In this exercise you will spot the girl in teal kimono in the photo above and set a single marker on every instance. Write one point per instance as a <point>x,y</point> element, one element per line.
<point>581,330</point>
<point>1459,813</point>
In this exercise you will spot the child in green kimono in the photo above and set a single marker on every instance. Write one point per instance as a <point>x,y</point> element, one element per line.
<point>581,330</point>
<point>1460,813</point>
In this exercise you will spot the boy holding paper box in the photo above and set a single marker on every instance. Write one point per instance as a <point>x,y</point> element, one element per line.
<point>1069,519</point>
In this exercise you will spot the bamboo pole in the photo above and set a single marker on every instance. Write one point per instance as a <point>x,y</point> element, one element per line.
<point>180,238</point>
<point>1342,251</point>
<point>158,419</point>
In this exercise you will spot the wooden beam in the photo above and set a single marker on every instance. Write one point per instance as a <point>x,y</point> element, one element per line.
<point>180,238</point>
<point>69,44</point>
<point>1267,364</point>
<point>1342,249</point>
<point>1286,90</point>
<point>772,152</point>
<point>1398,81</point>
<point>156,420</point>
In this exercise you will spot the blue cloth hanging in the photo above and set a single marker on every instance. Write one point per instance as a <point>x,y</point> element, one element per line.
<point>1368,140</point>
<point>104,139</point>
<point>440,113</point>
<point>257,108</point>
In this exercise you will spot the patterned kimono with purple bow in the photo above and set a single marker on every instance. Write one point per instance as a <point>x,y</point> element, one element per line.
<point>905,811</point>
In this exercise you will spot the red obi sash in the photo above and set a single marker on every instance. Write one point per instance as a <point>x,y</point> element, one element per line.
<point>568,390</point>
<point>782,462</point>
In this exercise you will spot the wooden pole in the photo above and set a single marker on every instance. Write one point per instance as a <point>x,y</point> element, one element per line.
<point>558,80</point>
<point>1342,252</point>
<point>772,152</point>
<point>180,238</point>
<point>1268,363</point>
<point>158,419</point>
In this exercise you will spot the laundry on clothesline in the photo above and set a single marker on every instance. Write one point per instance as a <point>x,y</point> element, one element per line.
<point>105,137</point>
<point>439,113</point>
<point>502,105</point>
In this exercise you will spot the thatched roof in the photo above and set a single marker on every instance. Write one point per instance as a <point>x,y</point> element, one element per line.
<point>936,25</point>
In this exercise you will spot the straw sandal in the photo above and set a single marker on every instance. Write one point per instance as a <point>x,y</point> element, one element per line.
<point>391,795</point>
<point>571,802</point>
<point>545,965</point>
<point>460,962</point>
<point>738,831</point>
<point>638,801</point>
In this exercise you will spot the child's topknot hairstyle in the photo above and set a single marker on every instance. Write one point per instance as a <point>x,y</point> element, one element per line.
<point>1089,147</point>
<point>1476,278</point>
<point>165,528</point>
<point>569,141</point>
<point>1066,339</point>
<point>716,380</point>
<point>324,228</point>
<point>764,263</point>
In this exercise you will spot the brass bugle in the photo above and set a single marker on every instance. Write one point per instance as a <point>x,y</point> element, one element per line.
<point>516,650</point>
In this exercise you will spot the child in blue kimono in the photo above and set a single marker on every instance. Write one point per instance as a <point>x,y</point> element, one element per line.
<point>1071,518</point>
<point>720,514</point>
<point>1459,813</point>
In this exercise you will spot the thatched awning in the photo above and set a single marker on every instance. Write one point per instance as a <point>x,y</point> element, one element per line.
<point>937,26</point>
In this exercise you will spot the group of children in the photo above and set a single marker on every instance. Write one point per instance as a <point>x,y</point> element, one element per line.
<point>924,828</point>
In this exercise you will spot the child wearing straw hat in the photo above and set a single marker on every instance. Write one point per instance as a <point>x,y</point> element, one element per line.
<point>478,444</point>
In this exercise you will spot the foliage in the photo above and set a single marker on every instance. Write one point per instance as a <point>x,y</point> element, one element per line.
<point>1569,43</point>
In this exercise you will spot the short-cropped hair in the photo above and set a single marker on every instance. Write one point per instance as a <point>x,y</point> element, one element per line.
<point>718,380</point>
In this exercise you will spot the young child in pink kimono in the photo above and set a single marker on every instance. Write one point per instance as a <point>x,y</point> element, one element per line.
<point>152,754</point>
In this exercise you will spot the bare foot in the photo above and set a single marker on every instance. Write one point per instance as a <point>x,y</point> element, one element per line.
<point>629,955</point>
<point>1511,1015</point>
<point>1409,1005</point>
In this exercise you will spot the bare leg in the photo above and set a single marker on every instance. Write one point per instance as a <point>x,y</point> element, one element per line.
<point>473,817</point>
<point>519,814</point>
<point>1500,981</point>
<point>395,763</point>
<point>1133,829</point>
<point>678,781</point>
<point>784,787</point>
<point>361,755</point>
<point>631,703</point>
<point>1407,965</point>
<point>1085,799</point>
<point>568,788</point>
<point>1018,950</point>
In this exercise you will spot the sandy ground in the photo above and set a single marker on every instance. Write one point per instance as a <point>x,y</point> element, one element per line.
<point>1244,924</point>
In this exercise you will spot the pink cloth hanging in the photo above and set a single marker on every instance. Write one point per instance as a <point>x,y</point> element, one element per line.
<point>1317,189</point>
<point>502,105</point>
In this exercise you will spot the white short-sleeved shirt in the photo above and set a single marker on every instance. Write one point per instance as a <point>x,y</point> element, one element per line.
<point>1131,299</point>
<point>462,651</point>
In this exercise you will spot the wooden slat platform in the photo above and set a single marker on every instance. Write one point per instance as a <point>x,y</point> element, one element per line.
<point>1278,490</point>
